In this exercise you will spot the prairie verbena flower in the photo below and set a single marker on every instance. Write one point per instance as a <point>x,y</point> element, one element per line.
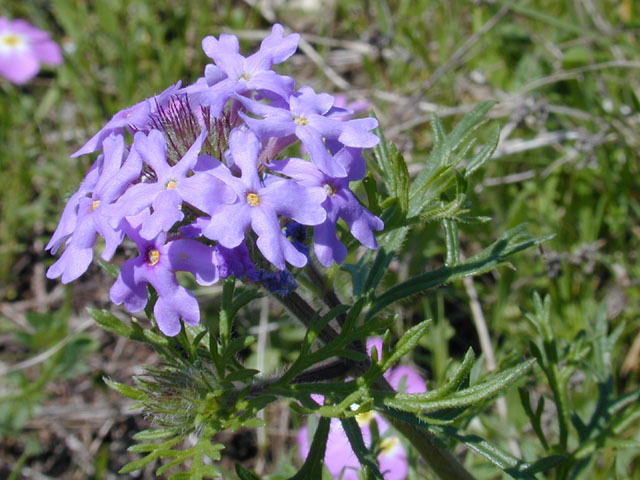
<point>23,48</point>
<point>190,172</point>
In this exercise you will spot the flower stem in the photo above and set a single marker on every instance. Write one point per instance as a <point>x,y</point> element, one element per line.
<point>441,461</point>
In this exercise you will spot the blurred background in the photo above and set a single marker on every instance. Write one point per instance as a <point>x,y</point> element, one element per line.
<point>566,76</point>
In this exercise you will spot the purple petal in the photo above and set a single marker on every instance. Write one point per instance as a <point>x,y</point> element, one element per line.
<point>134,200</point>
<point>272,242</point>
<point>394,464</point>
<point>195,257</point>
<point>273,126</point>
<point>353,162</point>
<point>153,150</point>
<point>318,152</point>
<point>263,110</point>
<point>229,223</point>
<point>326,245</point>
<point>277,46</point>
<point>270,80</point>
<point>170,309</point>
<point>112,238</point>
<point>245,148</point>
<point>67,223</point>
<point>307,102</point>
<point>375,342</point>
<point>113,147</point>
<point>361,222</point>
<point>234,261</point>
<point>301,204</point>
<point>205,192</point>
<point>407,378</point>
<point>19,67</point>
<point>329,128</point>
<point>213,74</point>
<point>356,133</point>
<point>339,457</point>
<point>223,51</point>
<point>128,173</point>
<point>304,172</point>
<point>166,212</point>
<point>49,52</point>
<point>129,289</point>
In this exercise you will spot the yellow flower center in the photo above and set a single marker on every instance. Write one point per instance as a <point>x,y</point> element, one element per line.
<point>245,76</point>
<point>94,205</point>
<point>330,189</point>
<point>171,184</point>
<point>300,120</point>
<point>388,444</point>
<point>11,40</point>
<point>153,257</point>
<point>253,199</point>
<point>364,418</point>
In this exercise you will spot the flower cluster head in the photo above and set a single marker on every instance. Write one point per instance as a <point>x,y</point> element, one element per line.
<point>197,179</point>
<point>23,48</point>
<point>340,459</point>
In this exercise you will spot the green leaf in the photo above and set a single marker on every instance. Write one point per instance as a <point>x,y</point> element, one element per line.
<point>110,322</point>
<point>475,395</point>
<point>245,474</point>
<point>445,146</point>
<point>125,390</point>
<point>511,465</point>
<point>112,270</point>
<point>406,344</point>
<point>312,467</point>
<point>155,434</point>
<point>511,242</point>
<point>365,457</point>
<point>485,153</point>
<point>377,270</point>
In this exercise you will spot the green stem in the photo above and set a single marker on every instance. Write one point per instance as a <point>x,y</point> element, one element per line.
<point>442,462</point>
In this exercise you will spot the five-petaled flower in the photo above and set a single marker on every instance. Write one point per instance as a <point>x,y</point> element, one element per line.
<point>23,48</point>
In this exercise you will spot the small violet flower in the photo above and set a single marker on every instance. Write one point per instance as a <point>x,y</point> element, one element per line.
<point>234,73</point>
<point>91,216</point>
<point>23,48</point>
<point>157,263</point>
<point>171,188</point>
<point>259,204</point>
<point>340,203</point>
<point>309,118</point>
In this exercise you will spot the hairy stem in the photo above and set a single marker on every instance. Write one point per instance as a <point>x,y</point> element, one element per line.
<point>442,462</point>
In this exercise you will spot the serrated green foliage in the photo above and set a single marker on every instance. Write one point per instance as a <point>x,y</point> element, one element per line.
<point>428,404</point>
<point>578,441</point>
<point>502,459</point>
<point>496,255</point>
<point>439,170</point>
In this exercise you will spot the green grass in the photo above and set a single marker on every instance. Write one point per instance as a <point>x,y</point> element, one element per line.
<point>584,190</point>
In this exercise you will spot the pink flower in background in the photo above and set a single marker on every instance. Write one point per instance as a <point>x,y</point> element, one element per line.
<point>340,459</point>
<point>23,48</point>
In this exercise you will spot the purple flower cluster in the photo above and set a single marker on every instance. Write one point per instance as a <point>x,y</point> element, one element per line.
<point>339,457</point>
<point>23,48</point>
<point>204,186</point>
